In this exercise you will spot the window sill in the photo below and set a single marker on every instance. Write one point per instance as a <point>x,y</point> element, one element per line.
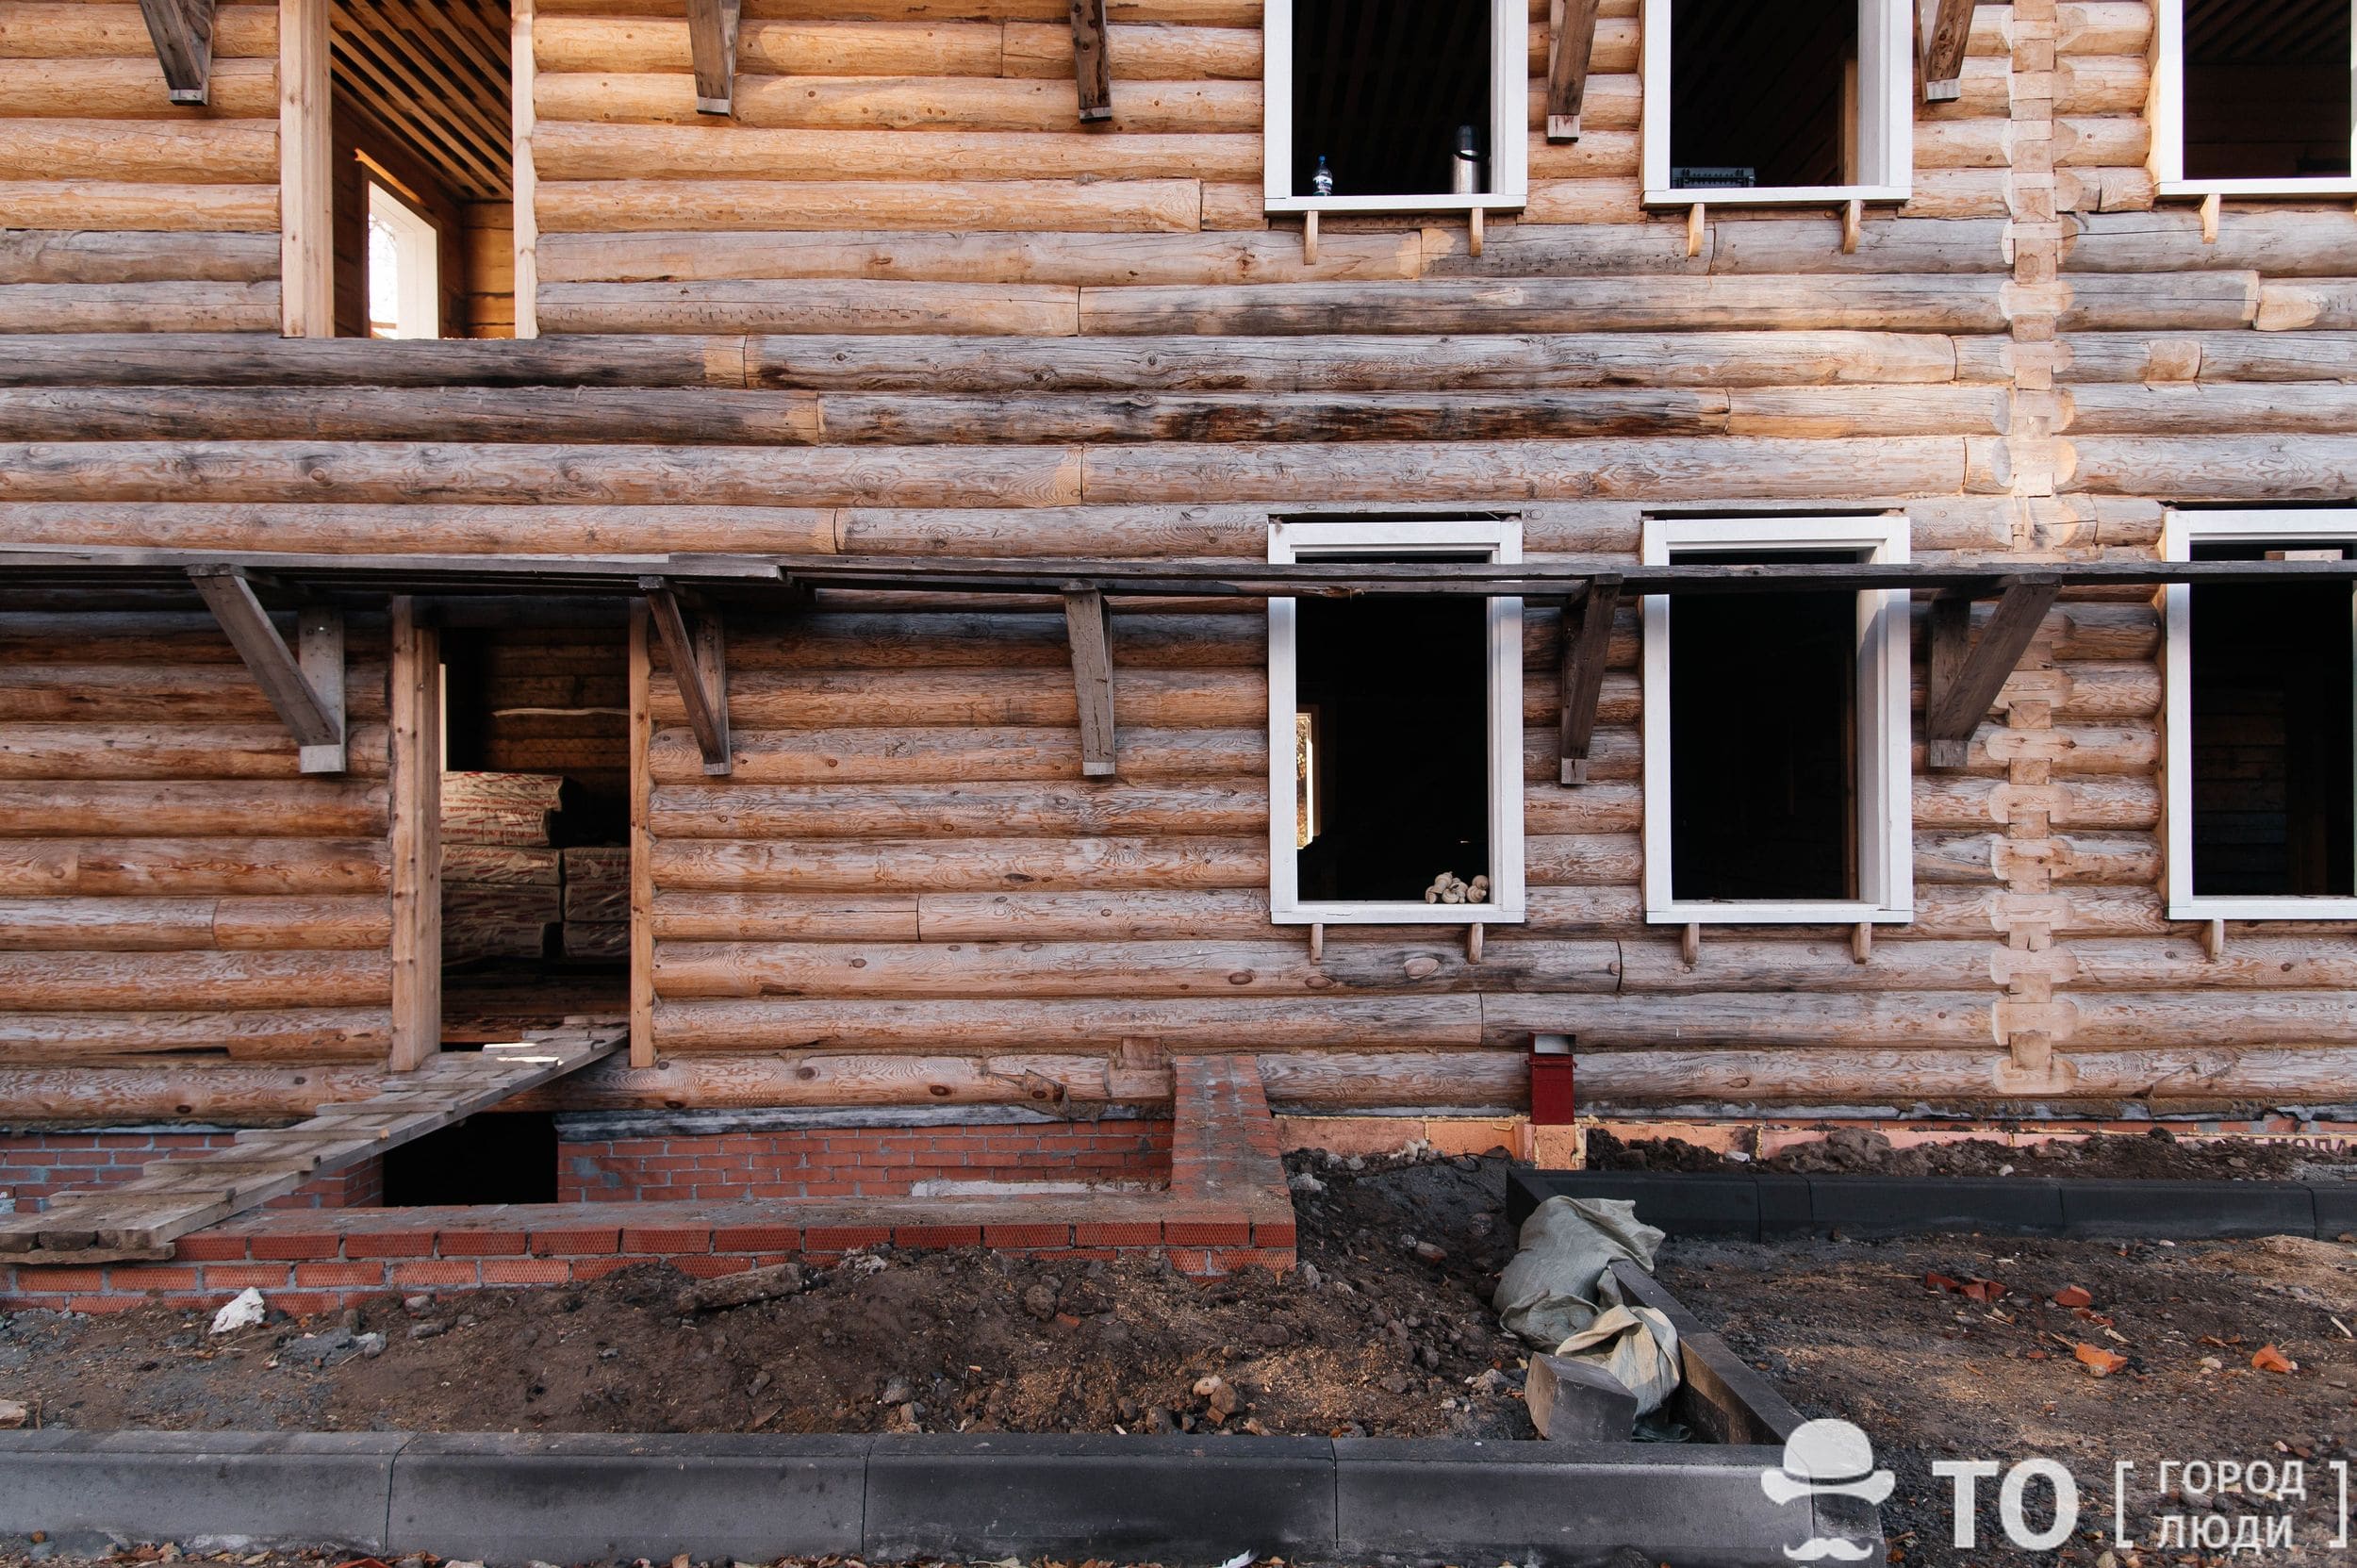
<point>2331,185</point>
<point>1795,195</point>
<point>1397,914</point>
<point>1488,201</point>
<point>1840,912</point>
<point>2286,908</point>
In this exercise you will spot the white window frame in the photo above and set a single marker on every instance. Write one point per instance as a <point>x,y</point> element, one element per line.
<point>1300,540</point>
<point>1886,824</point>
<point>1510,113</point>
<point>2180,532</point>
<point>2165,109</point>
<point>418,284</point>
<point>1885,114</point>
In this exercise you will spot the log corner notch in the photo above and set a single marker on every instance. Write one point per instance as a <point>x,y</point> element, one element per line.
<point>1567,66</point>
<point>1587,637</point>
<point>182,31</point>
<point>1965,680</point>
<point>699,663</point>
<point>304,685</point>
<point>1089,629</point>
<point>1943,28</point>
<point>712,42</point>
<point>1092,63</point>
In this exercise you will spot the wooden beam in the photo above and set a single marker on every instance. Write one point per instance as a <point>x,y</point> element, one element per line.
<point>712,39</point>
<point>1092,63</point>
<point>1963,684</point>
<point>182,31</point>
<point>641,844</point>
<point>1567,67</point>
<point>1586,634</point>
<point>305,690</point>
<point>700,665</point>
<point>1091,633</point>
<point>1943,27</point>
<point>306,243</point>
<point>416,765</point>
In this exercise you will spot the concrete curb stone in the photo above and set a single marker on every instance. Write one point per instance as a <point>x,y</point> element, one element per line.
<point>93,1491</point>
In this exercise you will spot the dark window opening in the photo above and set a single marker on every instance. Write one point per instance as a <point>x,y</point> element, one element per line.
<point>497,1157</point>
<point>1384,92</point>
<point>1391,746</point>
<point>1763,95</point>
<point>2266,90</point>
<point>2273,806</point>
<point>1763,742</point>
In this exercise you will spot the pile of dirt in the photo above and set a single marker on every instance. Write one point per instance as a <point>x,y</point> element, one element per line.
<point>1385,1330</point>
<point>1857,1150</point>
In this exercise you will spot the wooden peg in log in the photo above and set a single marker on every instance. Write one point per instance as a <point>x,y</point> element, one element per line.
<point>2210,204</point>
<point>1309,239</point>
<point>1691,944</point>
<point>1852,223</point>
<point>1694,231</point>
<point>1473,943</point>
<point>1317,941</point>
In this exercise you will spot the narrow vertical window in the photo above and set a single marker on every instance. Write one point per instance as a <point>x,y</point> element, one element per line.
<point>2255,99</point>
<point>405,268</point>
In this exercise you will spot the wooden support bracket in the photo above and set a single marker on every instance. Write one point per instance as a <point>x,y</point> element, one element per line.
<point>1309,239</point>
<point>1862,942</point>
<point>1092,63</point>
<point>1473,232</point>
<point>2214,939</point>
<point>1944,26</point>
<point>1853,225</point>
<point>1964,682</point>
<point>305,689</point>
<point>1691,944</point>
<point>712,40</point>
<point>1090,632</point>
<point>1317,941</point>
<point>1587,636</point>
<point>1567,66</point>
<point>1473,943</point>
<point>182,31</point>
<point>2210,204</point>
<point>1695,230</point>
<point>698,663</point>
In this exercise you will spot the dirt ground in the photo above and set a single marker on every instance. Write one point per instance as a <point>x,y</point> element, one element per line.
<point>1368,1338</point>
<point>2157,1154</point>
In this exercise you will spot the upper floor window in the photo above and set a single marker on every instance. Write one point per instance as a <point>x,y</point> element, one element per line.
<point>1805,100</point>
<point>1396,105</point>
<point>2254,100</point>
<point>405,268</point>
<point>2262,722</point>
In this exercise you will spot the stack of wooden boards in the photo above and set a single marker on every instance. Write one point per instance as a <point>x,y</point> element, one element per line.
<point>507,892</point>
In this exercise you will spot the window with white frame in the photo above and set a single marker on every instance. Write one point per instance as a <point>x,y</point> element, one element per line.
<point>1775,731</point>
<point>2262,722</point>
<point>1801,101</point>
<point>1396,105</point>
<point>405,268</point>
<point>1395,732</point>
<point>2255,99</point>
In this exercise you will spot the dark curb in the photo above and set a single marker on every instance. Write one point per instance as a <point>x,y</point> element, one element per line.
<point>1758,1208</point>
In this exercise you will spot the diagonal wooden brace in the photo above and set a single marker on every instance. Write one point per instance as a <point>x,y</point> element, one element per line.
<point>1965,680</point>
<point>712,26</point>
<point>1092,62</point>
<point>182,31</point>
<point>1587,637</point>
<point>1943,28</point>
<point>700,664</point>
<point>1567,66</point>
<point>305,689</point>
<point>1091,635</point>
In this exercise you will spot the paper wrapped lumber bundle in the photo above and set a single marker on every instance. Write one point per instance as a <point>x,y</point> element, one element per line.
<point>503,887</point>
<point>500,808</point>
<point>597,883</point>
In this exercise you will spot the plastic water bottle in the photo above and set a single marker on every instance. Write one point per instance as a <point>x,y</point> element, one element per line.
<point>1322,181</point>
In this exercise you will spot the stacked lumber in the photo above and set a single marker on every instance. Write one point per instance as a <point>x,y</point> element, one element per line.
<point>500,808</point>
<point>597,902</point>
<point>503,885</point>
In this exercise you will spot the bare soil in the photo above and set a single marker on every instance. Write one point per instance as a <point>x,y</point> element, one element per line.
<point>2157,1154</point>
<point>1367,1339</point>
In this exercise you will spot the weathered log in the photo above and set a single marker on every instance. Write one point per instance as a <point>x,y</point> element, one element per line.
<point>1902,1080</point>
<point>2317,407</point>
<point>2110,802</point>
<point>785,917</point>
<point>1143,914</point>
<point>898,102</point>
<point>191,866</point>
<point>686,153</point>
<point>106,258</point>
<point>502,866</point>
<point>189,809</point>
<point>1241,1023</point>
<point>359,923</point>
<point>1582,860</point>
<point>426,529</point>
<point>132,694</point>
<point>170,752</point>
<point>166,982</point>
<point>2255,961</point>
<point>1111,206</point>
<point>2276,243</point>
<point>1841,1022</point>
<point>229,359</point>
<point>117,925</point>
<point>66,1089</point>
<point>767,699</point>
<point>160,307</point>
<point>2105,301</point>
<point>153,207</point>
<point>2212,357</point>
<point>959,865</point>
<point>2213,468</point>
<point>958,810</point>
<point>915,755</point>
<point>1899,965</point>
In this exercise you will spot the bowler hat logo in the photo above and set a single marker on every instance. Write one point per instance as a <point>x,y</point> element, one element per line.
<point>1827,1458</point>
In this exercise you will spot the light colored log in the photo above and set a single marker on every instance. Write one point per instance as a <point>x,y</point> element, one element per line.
<point>191,153</point>
<point>127,88</point>
<point>1111,206</point>
<point>426,528</point>
<point>772,700</point>
<point>191,866</point>
<point>2177,960</point>
<point>484,414</point>
<point>1740,963</point>
<point>119,925</point>
<point>2104,28</point>
<point>2116,859</point>
<point>963,810</point>
<point>62,1089</point>
<point>2105,142</point>
<point>899,102</point>
<point>2075,912</point>
<point>2319,407</point>
<point>2212,357</point>
<point>2109,302</point>
<point>958,752</point>
<point>173,982</point>
<point>1841,1022</point>
<point>872,642</point>
<point>2108,189</point>
<point>305,202</point>
<point>101,258</point>
<point>154,208</point>
<point>189,809</point>
<point>780,48</point>
<point>1901,1079</point>
<point>413,855</point>
<point>1159,53</point>
<point>1187,1022</point>
<point>1787,242</point>
<point>679,917</point>
<point>959,865</point>
<point>69,29</point>
<point>2276,242</point>
<point>162,306</point>
<point>575,152</point>
<point>169,752</point>
<point>2307,304</point>
<point>2219,468</point>
<point>1143,914</point>
<point>2101,803</point>
<point>811,305</point>
<point>2101,83</point>
<point>123,694</point>
<point>1822,412</point>
<point>2128,1020</point>
<point>1042,1078</point>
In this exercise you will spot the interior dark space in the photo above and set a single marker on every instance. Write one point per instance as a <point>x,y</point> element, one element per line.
<point>2267,91</point>
<point>2272,739</point>
<point>1397,695</point>
<point>1381,91</point>
<point>1760,95</point>
<point>499,1157</point>
<point>1763,777</point>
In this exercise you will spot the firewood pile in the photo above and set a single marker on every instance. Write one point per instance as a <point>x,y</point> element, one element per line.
<point>507,892</point>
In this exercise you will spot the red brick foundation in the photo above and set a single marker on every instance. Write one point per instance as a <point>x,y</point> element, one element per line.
<point>1225,1207</point>
<point>35,1165</point>
<point>857,1162</point>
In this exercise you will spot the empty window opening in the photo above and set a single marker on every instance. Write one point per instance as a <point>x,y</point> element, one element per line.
<point>1391,746</point>
<point>1763,781</point>
<point>497,1157</point>
<point>422,185</point>
<point>1387,94</point>
<point>2266,90</point>
<point>2273,799</point>
<point>1763,95</point>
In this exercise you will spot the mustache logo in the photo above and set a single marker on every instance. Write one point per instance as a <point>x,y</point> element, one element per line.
<point>1818,1547</point>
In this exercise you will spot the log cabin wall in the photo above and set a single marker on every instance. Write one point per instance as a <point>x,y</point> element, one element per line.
<point>902,302</point>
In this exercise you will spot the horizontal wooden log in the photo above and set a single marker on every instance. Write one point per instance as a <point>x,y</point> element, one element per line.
<point>125,87</point>
<point>101,258</point>
<point>2101,84</point>
<point>2208,356</point>
<point>170,752</point>
<point>1749,963</point>
<point>1160,53</point>
<point>680,917</point>
<point>781,699</point>
<point>1144,914</point>
<point>326,808</point>
<point>959,865</point>
<point>425,529</point>
<point>2103,301</point>
<point>2249,962</point>
<point>2213,468</point>
<point>770,48</point>
<point>358,923</point>
<point>568,153</point>
<point>190,866</point>
<point>233,359</point>
<point>1110,206</point>
<point>159,306</point>
<point>171,982</point>
<point>153,207</point>
<point>2073,912</point>
<point>2272,242</point>
<point>1902,1080</point>
<point>2307,304</point>
<point>2315,407</point>
<point>69,29</point>
<point>820,305</point>
<point>1582,860</point>
<point>952,753</point>
<point>130,694</point>
<point>378,414</point>
<point>2127,1020</point>
<point>963,810</point>
<point>873,642</point>
<point>2114,859</point>
<point>63,1090</point>
<point>1183,1022</point>
<point>897,103</point>
<point>1841,1022</point>
<point>119,925</point>
<point>191,153</point>
<point>1953,801</point>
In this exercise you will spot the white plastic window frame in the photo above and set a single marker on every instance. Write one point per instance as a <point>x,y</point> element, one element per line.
<point>417,277</point>
<point>2165,109</point>
<point>2180,532</point>
<point>1501,540</point>
<point>1885,127</point>
<point>1509,157</point>
<point>1886,808</point>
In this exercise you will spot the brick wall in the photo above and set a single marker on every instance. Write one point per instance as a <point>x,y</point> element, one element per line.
<point>857,1162</point>
<point>36,1165</point>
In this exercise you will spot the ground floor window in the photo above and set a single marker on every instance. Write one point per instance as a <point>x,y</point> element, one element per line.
<point>1777,745</point>
<point>2262,723</point>
<point>1395,732</point>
